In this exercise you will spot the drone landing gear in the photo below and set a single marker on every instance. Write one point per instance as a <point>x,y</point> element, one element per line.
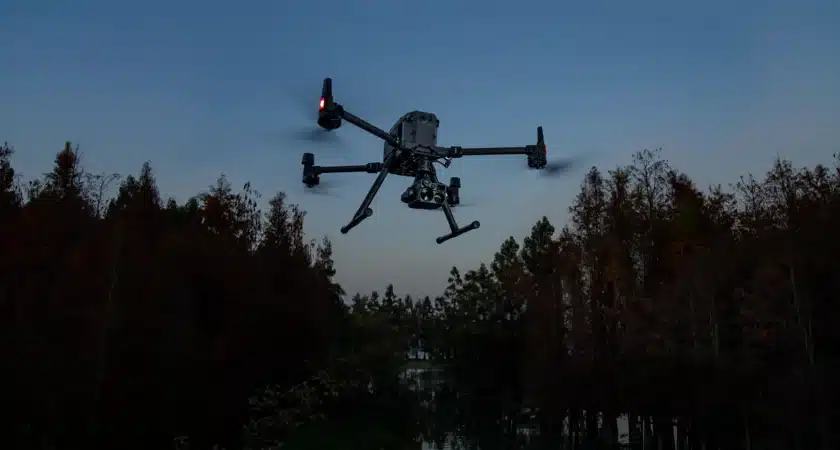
<point>357,219</point>
<point>453,226</point>
<point>364,210</point>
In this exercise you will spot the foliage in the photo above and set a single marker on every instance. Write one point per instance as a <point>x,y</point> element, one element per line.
<point>712,312</point>
<point>150,321</point>
<point>701,319</point>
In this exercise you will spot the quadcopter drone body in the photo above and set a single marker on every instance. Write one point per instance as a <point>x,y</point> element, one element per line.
<point>410,150</point>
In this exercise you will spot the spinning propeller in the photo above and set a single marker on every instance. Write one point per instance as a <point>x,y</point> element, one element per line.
<point>325,189</point>
<point>311,132</point>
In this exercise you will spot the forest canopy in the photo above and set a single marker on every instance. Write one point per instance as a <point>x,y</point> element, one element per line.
<point>702,319</point>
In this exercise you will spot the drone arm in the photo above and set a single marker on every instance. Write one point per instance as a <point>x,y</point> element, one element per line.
<point>536,153</point>
<point>457,152</point>
<point>454,230</point>
<point>368,168</point>
<point>367,126</point>
<point>311,172</point>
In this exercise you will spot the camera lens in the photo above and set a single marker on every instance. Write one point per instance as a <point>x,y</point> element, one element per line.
<point>426,194</point>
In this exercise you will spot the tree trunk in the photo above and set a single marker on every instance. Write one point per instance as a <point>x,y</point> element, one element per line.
<point>574,426</point>
<point>747,436</point>
<point>648,438</point>
<point>635,432</point>
<point>682,436</point>
<point>609,429</point>
<point>591,436</point>
<point>664,429</point>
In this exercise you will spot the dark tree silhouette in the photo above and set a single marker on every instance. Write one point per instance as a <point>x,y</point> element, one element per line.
<point>684,319</point>
<point>151,322</point>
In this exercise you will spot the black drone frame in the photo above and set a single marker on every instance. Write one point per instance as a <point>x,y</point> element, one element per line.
<point>330,116</point>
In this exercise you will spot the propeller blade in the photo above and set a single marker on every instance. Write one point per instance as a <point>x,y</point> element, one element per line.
<point>560,167</point>
<point>361,96</point>
<point>313,134</point>
<point>305,102</point>
<point>324,188</point>
<point>306,139</point>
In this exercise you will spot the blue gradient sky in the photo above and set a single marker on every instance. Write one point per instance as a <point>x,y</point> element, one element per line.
<point>201,88</point>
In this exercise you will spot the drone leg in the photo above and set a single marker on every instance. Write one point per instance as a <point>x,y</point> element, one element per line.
<point>453,226</point>
<point>364,210</point>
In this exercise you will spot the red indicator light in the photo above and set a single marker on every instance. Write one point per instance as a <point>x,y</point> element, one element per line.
<point>321,105</point>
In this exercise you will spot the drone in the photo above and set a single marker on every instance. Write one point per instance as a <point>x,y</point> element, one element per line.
<point>411,150</point>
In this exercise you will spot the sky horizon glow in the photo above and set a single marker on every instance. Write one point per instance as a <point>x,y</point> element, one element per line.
<point>204,88</point>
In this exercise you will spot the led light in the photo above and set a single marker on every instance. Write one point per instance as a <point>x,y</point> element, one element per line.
<point>322,104</point>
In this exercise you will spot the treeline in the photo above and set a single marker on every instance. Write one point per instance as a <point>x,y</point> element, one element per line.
<point>127,322</point>
<point>703,319</point>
